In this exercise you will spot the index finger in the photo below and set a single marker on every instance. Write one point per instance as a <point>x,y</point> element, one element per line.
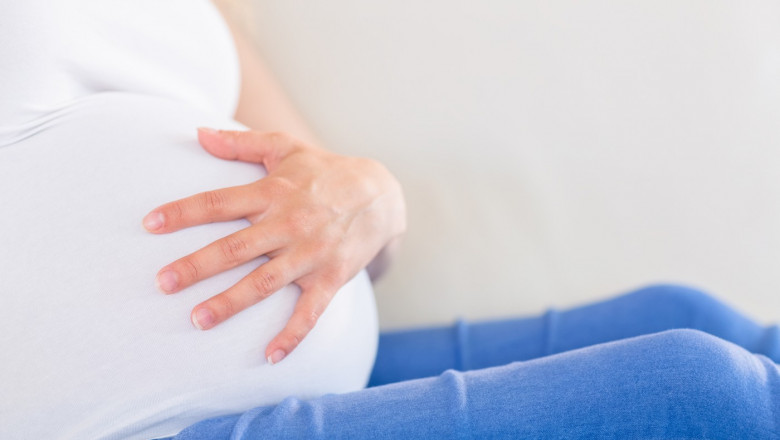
<point>207,207</point>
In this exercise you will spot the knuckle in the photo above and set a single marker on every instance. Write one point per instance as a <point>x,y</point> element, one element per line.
<point>299,223</point>
<point>295,338</point>
<point>264,284</point>
<point>310,320</point>
<point>175,211</point>
<point>318,247</point>
<point>233,249</point>
<point>334,278</point>
<point>298,334</point>
<point>190,268</point>
<point>321,276</point>
<point>225,306</point>
<point>381,180</point>
<point>213,201</point>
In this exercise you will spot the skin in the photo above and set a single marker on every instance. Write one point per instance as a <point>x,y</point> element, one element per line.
<point>320,217</point>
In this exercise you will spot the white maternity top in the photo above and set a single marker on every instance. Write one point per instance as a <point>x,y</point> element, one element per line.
<point>99,101</point>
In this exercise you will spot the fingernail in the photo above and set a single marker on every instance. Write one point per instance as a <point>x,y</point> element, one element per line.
<point>153,221</point>
<point>202,318</point>
<point>276,357</point>
<point>207,130</point>
<point>168,281</point>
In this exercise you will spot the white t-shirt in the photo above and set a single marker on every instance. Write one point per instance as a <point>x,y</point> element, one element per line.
<point>99,102</point>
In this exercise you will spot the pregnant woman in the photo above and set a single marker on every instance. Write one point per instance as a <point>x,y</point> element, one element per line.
<point>98,107</point>
<point>99,102</point>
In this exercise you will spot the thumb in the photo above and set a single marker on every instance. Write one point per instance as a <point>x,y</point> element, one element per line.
<point>247,146</point>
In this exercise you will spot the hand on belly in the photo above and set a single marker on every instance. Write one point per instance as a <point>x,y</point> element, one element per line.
<point>320,218</point>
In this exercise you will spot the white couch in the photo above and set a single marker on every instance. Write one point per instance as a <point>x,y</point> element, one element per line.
<point>552,152</point>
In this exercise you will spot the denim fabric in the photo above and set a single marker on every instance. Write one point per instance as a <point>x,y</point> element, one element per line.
<point>664,362</point>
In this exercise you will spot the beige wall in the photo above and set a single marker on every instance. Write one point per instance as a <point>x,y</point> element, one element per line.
<point>552,152</point>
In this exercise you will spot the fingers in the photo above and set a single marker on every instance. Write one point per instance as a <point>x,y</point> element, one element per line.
<point>228,203</point>
<point>308,309</point>
<point>253,288</point>
<point>207,207</point>
<point>219,256</point>
<point>248,146</point>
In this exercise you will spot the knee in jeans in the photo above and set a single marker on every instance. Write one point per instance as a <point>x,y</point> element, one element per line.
<point>675,295</point>
<point>691,306</point>
<point>685,344</point>
<point>704,370</point>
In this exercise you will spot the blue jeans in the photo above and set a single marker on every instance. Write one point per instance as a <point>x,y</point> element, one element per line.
<point>664,362</point>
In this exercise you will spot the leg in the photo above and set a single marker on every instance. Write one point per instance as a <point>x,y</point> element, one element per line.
<point>412,354</point>
<point>678,384</point>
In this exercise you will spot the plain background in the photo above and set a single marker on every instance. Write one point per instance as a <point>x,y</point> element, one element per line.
<point>552,153</point>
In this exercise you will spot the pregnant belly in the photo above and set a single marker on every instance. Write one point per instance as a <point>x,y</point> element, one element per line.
<point>90,348</point>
